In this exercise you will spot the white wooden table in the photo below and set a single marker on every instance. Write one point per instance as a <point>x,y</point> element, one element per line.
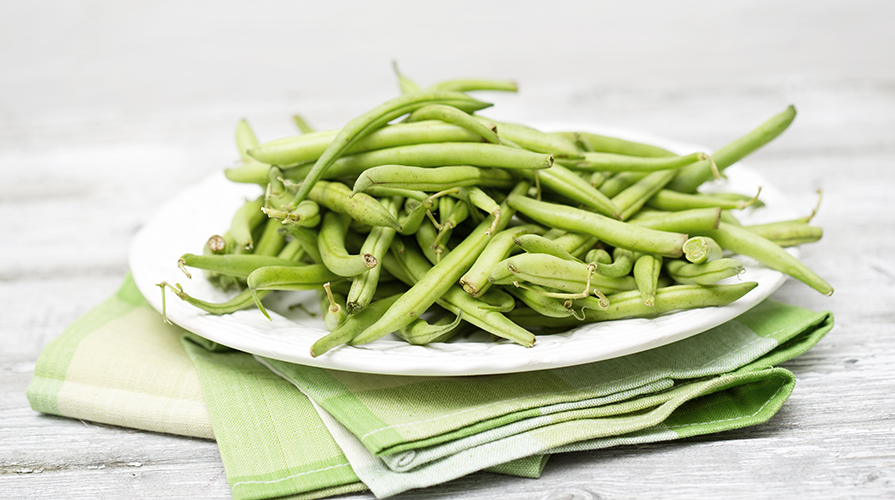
<point>106,111</point>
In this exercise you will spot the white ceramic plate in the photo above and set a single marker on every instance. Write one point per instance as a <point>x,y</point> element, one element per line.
<point>183,225</point>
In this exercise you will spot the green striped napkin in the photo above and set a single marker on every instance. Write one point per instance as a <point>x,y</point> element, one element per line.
<point>289,430</point>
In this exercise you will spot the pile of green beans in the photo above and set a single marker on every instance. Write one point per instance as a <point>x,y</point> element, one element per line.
<point>448,221</point>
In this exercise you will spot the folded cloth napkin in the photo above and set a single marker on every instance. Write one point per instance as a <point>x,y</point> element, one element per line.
<point>303,432</point>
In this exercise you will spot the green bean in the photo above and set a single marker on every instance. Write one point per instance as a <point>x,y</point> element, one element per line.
<point>707,273</point>
<point>467,85</point>
<point>238,302</point>
<point>609,162</point>
<point>475,281</point>
<point>449,114</point>
<point>360,207</point>
<point>631,200</point>
<point>596,179</point>
<point>439,279</point>
<point>729,218</point>
<point>537,301</point>
<point>702,249</point>
<point>301,124</point>
<point>646,276</point>
<point>331,243</point>
<point>669,200</point>
<point>742,241</point>
<point>420,332</point>
<point>533,243</point>
<point>685,221</point>
<point>564,182</point>
<point>694,175</point>
<point>374,119</point>
<point>363,287</point>
<point>787,233</point>
<point>619,182</point>
<point>497,300</point>
<point>602,144</point>
<point>352,327</point>
<point>611,231</point>
<point>290,151</point>
<point>553,272</point>
<point>623,262</point>
<point>535,140</point>
<point>630,304</point>
<point>244,221</point>
<point>457,215</point>
<point>238,265</point>
<point>432,178</point>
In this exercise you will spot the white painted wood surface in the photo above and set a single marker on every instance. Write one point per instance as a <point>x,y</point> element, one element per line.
<point>106,110</point>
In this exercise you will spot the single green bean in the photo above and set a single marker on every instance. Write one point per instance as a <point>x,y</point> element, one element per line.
<point>331,243</point>
<point>475,281</point>
<point>673,201</point>
<point>449,114</point>
<point>468,85</point>
<point>330,306</point>
<point>360,207</point>
<point>599,257</point>
<point>432,178</point>
<point>742,241</point>
<point>619,182</point>
<point>622,264</point>
<point>535,140</point>
<point>708,273</point>
<point>244,222</point>
<point>271,241</point>
<point>685,221</point>
<point>631,200</point>
<point>420,332</point>
<point>238,265</point>
<point>787,233</point>
<point>646,275</point>
<point>533,243</point>
<point>609,162</point>
<point>604,144</point>
<point>611,231</point>
<point>693,176</point>
<point>405,84</point>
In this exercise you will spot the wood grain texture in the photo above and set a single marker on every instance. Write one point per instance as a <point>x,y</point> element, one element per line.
<point>111,119</point>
